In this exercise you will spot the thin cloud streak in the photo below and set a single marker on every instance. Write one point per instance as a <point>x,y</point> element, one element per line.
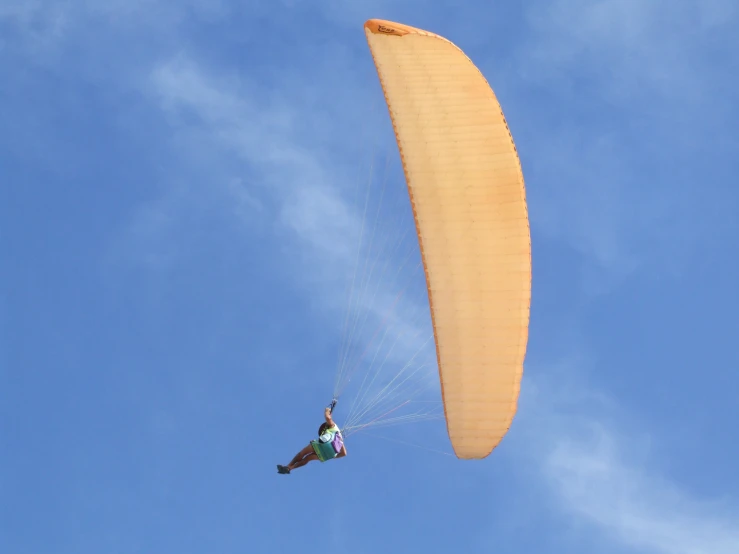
<point>596,482</point>
<point>603,475</point>
<point>601,469</point>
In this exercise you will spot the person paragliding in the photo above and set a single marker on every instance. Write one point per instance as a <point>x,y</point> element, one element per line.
<point>329,445</point>
<point>470,216</point>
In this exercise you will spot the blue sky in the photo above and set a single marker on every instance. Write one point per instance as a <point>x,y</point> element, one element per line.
<point>176,220</point>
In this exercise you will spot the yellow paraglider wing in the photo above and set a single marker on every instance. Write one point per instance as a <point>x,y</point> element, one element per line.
<point>467,191</point>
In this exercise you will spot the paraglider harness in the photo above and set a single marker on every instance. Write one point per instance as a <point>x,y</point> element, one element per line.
<point>330,442</point>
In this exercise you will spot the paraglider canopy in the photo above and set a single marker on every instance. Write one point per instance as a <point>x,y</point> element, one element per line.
<point>467,192</point>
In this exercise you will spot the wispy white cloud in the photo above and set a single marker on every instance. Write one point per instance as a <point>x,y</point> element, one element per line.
<point>306,188</point>
<point>231,117</point>
<point>597,483</point>
<point>602,472</point>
